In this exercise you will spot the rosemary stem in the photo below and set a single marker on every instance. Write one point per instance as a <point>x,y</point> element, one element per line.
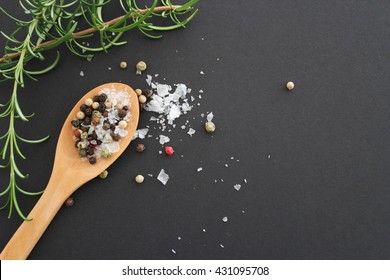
<point>159,9</point>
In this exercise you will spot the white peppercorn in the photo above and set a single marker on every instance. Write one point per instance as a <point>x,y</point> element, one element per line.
<point>80,115</point>
<point>139,179</point>
<point>138,91</point>
<point>123,65</point>
<point>95,105</point>
<point>290,85</point>
<point>122,124</point>
<point>142,99</point>
<point>88,102</point>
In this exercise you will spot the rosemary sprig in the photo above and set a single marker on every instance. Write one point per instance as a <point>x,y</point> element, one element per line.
<point>52,23</point>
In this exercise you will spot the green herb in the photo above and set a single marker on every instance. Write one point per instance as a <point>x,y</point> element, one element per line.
<point>52,23</point>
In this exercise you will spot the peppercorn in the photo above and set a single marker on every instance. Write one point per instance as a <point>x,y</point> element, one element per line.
<point>123,65</point>
<point>169,150</point>
<point>88,111</point>
<point>141,66</point>
<point>104,174</point>
<point>126,108</point>
<point>140,148</point>
<point>95,98</point>
<point>95,120</point>
<point>77,133</point>
<point>81,145</point>
<point>102,97</point>
<point>122,124</point>
<point>102,107</point>
<point>108,103</point>
<point>122,113</point>
<point>142,99</point>
<point>106,126</point>
<point>84,128</point>
<point>290,85</point>
<point>105,114</point>
<point>139,179</point>
<point>90,151</point>
<point>75,123</point>
<point>138,91</point>
<point>92,160</point>
<point>105,153</point>
<point>69,202</point>
<point>147,92</point>
<point>88,102</point>
<point>96,113</point>
<point>112,127</point>
<point>210,127</point>
<point>119,106</point>
<point>83,152</point>
<point>95,105</point>
<point>80,115</point>
<point>83,107</point>
<point>84,135</point>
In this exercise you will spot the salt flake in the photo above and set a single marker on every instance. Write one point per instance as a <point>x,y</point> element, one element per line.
<point>225,219</point>
<point>237,187</point>
<point>164,139</point>
<point>191,131</point>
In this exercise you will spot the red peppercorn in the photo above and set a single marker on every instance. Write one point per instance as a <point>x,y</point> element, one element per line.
<point>169,150</point>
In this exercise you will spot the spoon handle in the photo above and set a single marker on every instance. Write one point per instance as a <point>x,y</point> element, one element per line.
<point>28,234</point>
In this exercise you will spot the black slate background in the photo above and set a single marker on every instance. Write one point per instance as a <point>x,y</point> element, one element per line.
<point>316,159</point>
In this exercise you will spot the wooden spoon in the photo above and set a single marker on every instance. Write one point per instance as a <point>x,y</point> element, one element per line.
<point>69,173</point>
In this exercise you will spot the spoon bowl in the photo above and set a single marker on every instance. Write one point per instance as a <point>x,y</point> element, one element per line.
<point>69,173</point>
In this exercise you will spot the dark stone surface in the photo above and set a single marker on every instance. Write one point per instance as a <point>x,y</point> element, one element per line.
<point>316,159</point>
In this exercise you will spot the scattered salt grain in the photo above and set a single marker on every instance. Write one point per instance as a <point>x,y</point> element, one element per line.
<point>231,157</point>
<point>160,152</point>
<point>199,169</point>
<point>163,177</point>
<point>183,127</point>
<point>81,73</point>
<point>269,156</point>
<point>226,165</point>
<point>173,251</point>
<point>191,131</point>
<point>204,230</point>
<point>221,246</point>
<point>178,238</point>
<point>210,116</point>
<point>246,182</point>
<point>164,139</point>
<point>201,91</point>
<point>224,219</point>
<point>89,59</point>
<point>237,187</point>
<point>150,175</point>
<point>109,68</point>
<point>200,96</point>
<point>201,72</point>
<point>148,79</point>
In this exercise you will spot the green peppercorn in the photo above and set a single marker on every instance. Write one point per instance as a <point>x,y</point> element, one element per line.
<point>83,152</point>
<point>141,66</point>
<point>104,174</point>
<point>105,153</point>
<point>84,136</point>
<point>96,114</point>
<point>81,145</point>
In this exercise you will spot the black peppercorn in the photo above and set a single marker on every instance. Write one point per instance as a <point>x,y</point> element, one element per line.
<point>88,111</point>
<point>83,107</point>
<point>102,107</point>
<point>102,97</point>
<point>87,121</point>
<point>95,98</point>
<point>122,113</point>
<point>92,160</point>
<point>147,92</point>
<point>90,151</point>
<point>140,148</point>
<point>126,108</point>
<point>69,202</point>
<point>75,123</point>
<point>99,142</point>
<point>112,127</point>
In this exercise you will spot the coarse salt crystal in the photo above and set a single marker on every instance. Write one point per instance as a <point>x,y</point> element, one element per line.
<point>210,116</point>
<point>199,169</point>
<point>201,72</point>
<point>245,180</point>
<point>163,177</point>
<point>237,187</point>
<point>191,131</point>
<point>164,139</point>
<point>81,73</point>
<point>173,251</point>
<point>225,219</point>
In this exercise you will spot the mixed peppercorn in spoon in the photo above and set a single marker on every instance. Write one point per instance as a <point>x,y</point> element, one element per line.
<point>100,124</point>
